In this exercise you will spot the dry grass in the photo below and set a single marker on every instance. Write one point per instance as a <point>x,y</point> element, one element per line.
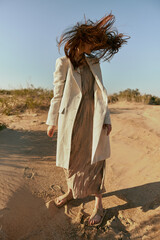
<point>14,102</point>
<point>18,101</point>
<point>134,96</point>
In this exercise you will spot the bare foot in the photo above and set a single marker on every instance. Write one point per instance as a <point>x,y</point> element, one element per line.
<point>61,200</point>
<point>96,217</point>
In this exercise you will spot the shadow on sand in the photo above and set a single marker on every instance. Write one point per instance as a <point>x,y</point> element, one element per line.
<point>146,197</point>
<point>18,146</point>
<point>27,216</point>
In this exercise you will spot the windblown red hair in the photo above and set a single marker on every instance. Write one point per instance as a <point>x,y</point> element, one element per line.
<point>105,40</point>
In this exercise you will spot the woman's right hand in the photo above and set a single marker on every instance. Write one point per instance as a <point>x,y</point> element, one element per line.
<point>50,130</point>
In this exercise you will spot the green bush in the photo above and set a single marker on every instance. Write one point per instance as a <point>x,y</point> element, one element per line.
<point>2,126</point>
<point>113,98</point>
<point>132,95</point>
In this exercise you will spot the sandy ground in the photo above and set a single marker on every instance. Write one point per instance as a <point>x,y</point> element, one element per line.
<point>29,179</point>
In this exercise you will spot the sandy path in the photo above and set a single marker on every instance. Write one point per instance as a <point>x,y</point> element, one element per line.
<point>29,179</point>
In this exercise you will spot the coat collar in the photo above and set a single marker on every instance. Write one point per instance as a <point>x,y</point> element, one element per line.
<point>89,61</point>
<point>95,69</point>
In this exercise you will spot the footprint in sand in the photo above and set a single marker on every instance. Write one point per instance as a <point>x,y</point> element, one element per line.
<point>28,172</point>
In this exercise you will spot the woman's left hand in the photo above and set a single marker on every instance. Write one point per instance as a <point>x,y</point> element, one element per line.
<point>109,128</point>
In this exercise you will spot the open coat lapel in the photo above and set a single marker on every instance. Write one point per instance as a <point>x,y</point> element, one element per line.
<point>96,73</point>
<point>100,103</point>
<point>64,107</point>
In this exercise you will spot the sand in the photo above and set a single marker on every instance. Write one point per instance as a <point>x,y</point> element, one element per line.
<point>29,180</point>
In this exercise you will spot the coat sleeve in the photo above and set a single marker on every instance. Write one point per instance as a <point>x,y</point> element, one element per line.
<point>107,119</point>
<point>58,83</point>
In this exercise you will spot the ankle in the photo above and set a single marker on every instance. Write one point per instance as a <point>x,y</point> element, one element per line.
<point>100,206</point>
<point>98,201</point>
<point>70,193</point>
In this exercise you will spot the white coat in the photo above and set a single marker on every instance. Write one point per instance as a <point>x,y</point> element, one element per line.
<point>64,105</point>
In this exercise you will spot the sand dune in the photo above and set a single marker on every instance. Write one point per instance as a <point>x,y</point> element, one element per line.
<point>29,180</point>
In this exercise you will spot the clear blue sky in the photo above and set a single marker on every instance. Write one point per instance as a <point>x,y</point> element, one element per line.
<point>28,48</point>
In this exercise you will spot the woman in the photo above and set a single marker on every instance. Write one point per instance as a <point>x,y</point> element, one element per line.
<point>79,108</point>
